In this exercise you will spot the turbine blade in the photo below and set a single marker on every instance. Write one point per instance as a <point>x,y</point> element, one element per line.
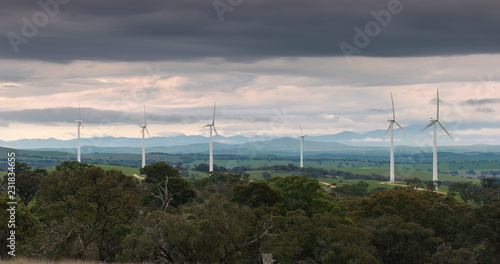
<point>79,111</point>
<point>430,124</point>
<point>388,129</point>
<point>218,139</point>
<point>301,133</point>
<point>393,111</point>
<point>144,114</point>
<point>213,120</point>
<point>439,122</point>
<point>437,116</point>
<point>147,131</point>
<point>399,126</point>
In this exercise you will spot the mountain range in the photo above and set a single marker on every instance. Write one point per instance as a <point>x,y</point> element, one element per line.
<point>346,143</point>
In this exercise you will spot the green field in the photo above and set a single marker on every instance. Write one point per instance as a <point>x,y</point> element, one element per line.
<point>467,166</point>
<point>425,176</point>
<point>126,170</point>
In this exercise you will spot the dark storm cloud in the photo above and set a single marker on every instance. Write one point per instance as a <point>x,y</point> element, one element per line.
<point>94,116</point>
<point>480,102</point>
<point>379,110</point>
<point>89,116</point>
<point>485,110</point>
<point>441,101</point>
<point>147,30</point>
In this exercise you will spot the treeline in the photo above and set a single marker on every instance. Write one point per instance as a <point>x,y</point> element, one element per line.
<point>316,173</point>
<point>84,212</point>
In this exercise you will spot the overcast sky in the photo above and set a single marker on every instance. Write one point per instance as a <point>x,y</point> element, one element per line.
<point>269,65</point>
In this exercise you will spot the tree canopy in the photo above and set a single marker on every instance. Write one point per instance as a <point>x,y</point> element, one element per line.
<point>80,211</point>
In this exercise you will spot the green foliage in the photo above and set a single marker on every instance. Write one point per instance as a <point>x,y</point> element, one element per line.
<point>415,183</point>
<point>483,227</point>
<point>401,242</point>
<point>490,183</point>
<point>71,166</point>
<point>158,172</point>
<point>466,190</point>
<point>324,238</point>
<point>359,189</point>
<point>214,232</point>
<point>447,255</point>
<point>300,192</point>
<point>220,183</point>
<point>164,186</point>
<point>25,226</point>
<point>80,210</point>
<point>254,194</point>
<point>27,181</point>
<point>86,212</point>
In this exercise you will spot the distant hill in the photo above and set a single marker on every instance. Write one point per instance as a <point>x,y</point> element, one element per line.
<point>373,143</point>
<point>280,147</point>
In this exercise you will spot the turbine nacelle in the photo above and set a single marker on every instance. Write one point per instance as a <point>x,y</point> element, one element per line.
<point>393,119</point>
<point>213,125</point>
<point>301,132</point>
<point>145,126</point>
<point>436,120</point>
<point>79,122</point>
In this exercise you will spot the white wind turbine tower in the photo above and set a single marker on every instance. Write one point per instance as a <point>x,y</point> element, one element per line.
<point>391,128</point>
<point>434,122</point>
<point>144,127</point>
<point>302,136</point>
<point>80,123</point>
<point>211,163</point>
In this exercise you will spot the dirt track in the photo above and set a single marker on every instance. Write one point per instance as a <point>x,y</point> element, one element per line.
<point>420,189</point>
<point>329,185</point>
<point>139,177</point>
<point>389,183</point>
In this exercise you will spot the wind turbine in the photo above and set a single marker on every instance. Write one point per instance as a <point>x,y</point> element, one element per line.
<point>434,123</point>
<point>80,123</point>
<point>302,136</point>
<point>391,127</point>
<point>144,127</point>
<point>211,163</point>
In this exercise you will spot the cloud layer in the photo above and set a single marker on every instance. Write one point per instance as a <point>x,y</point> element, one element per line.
<point>269,65</point>
<point>150,30</point>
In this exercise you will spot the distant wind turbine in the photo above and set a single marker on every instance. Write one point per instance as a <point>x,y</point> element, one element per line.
<point>434,123</point>
<point>211,163</point>
<point>391,128</point>
<point>302,136</point>
<point>80,123</point>
<point>144,127</point>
